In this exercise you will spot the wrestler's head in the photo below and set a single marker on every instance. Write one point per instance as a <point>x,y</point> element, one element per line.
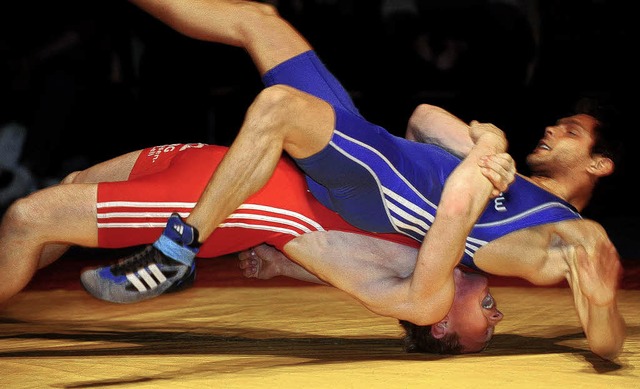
<point>469,325</point>
<point>582,142</point>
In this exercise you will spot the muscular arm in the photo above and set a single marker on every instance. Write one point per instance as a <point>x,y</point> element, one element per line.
<point>464,197</point>
<point>594,275</point>
<point>432,124</point>
<point>577,251</point>
<point>384,276</point>
<point>396,284</point>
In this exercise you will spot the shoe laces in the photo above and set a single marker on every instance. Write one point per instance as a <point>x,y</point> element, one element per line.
<point>137,261</point>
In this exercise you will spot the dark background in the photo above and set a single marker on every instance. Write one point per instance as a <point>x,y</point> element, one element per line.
<point>89,80</point>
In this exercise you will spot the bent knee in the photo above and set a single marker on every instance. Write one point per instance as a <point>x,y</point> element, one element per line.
<point>274,106</point>
<point>70,178</point>
<point>260,9</point>
<point>20,215</point>
<point>266,118</point>
<point>260,15</point>
<point>276,97</point>
<point>302,122</point>
<point>257,19</point>
<point>284,102</point>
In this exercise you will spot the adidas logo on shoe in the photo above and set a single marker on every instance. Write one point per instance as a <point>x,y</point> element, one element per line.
<point>139,277</point>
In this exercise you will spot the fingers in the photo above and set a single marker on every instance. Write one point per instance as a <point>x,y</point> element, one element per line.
<point>477,129</point>
<point>500,170</point>
<point>249,263</point>
<point>244,255</point>
<point>598,273</point>
<point>487,135</point>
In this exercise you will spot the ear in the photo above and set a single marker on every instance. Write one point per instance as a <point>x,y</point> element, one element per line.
<point>601,166</point>
<point>440,329</point>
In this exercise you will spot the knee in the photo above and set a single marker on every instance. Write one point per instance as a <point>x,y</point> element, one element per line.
<point>70,178</point>
<point>256,21</point>
<point>260,9</point>
<point>295,121</point>
<point>20,216</point>
<point>259,15</point>
<point>276,100</point>
<point>273,108</point>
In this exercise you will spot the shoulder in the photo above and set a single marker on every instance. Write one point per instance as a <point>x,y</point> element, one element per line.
<point>580,229</point>
<point>539,254</point>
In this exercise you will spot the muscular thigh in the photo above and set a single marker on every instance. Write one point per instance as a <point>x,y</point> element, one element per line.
<point>115,169</point>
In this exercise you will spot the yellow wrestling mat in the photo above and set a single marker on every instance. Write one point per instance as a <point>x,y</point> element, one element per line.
<point>291,337</point>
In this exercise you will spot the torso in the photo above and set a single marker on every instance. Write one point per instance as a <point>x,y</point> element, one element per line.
<point>388,184</point>
<point>393,185</point>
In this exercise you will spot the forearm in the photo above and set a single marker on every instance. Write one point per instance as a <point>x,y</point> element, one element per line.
<point>293,270</point>
<point>464,198</point>
<point>431,124</point>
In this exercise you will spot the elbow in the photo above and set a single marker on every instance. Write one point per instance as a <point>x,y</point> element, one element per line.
<point>609,348</point>
<point>421,115</point>
<point>424,110</point>
<point>608,353</point>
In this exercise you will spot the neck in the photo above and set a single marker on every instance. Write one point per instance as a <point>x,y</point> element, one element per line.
<point>572,190</point>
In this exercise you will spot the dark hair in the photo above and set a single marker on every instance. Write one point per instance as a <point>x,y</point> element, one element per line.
<point>607,140</point>
<point>418,339</point>
<point>611,115</point>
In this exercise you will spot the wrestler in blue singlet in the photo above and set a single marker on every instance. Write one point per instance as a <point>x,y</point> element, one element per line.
<point>380,182</point>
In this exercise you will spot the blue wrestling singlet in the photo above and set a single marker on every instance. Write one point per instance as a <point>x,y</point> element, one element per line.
<point>380,182</point>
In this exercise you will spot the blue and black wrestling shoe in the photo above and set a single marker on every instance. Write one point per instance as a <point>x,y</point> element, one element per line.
<point>166,266</point>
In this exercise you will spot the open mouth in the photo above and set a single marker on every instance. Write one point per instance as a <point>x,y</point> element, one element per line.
<point>543,146</point>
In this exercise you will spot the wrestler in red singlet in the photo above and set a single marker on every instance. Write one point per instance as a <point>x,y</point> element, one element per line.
<point>171,178</point>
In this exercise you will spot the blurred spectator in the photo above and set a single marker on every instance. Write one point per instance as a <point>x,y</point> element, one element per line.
<point>58,71</point>
<point>15,179</point>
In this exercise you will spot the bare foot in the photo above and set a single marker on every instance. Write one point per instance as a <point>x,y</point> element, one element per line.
<point>262,262</point>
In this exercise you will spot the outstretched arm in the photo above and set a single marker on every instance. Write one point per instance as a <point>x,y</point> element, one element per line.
<point>594,276</point>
